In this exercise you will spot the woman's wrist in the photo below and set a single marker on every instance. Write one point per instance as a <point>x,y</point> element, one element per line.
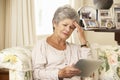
<point>60,78</point>
<point>85,44</point>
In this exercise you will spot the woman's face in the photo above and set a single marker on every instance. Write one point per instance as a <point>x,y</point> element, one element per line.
<point>64,28</point>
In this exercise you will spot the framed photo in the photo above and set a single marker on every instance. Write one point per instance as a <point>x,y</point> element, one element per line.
<point>104,13</point>
<point>116,7</point>
<point>106,23</point>
<point>105,19</point>
<point>117,19</point>
<point>87,12</point>
<point>90,24</point>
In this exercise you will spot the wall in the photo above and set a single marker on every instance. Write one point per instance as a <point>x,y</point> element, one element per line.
<point>2,23</point>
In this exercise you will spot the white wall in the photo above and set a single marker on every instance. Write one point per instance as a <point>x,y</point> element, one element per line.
<point>2,23</point>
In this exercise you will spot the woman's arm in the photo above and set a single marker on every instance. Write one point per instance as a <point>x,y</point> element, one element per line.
<point>44,74</point>
<point>39,62</point>
<point>81,35</point>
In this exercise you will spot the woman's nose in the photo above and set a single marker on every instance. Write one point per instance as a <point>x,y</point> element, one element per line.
<point>68,28</point>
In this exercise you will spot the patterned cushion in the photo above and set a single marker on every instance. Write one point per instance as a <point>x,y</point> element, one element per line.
<point>110,69</point>
<point>16,58</point>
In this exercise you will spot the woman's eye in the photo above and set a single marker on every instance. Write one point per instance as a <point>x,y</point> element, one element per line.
<point>64,24</point>
<point>72,27</point>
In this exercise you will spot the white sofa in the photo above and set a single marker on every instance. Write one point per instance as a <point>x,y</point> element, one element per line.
<point>18,61</point>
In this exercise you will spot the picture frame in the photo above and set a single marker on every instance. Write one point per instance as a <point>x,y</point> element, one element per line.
<point>116,7</point>
<point>117,19</point>
<point>87,12</point>
<point>105,19</point>
<point>103,13</point>
<point>106,23</point>
<point>90,24</point>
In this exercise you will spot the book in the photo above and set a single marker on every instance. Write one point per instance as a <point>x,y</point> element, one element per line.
<point>87,67</point>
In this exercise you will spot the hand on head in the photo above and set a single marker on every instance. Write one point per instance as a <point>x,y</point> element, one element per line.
<point>79,28</point>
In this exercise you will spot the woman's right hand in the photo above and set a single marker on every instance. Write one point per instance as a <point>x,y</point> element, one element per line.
<point>80,32</point>
<point>68,72</point>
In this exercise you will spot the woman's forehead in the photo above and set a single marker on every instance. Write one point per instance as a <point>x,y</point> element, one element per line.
<point>67,20</point>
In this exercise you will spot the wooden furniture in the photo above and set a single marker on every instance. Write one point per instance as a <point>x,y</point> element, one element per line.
<point>117,37</point>
<point>4,74</point>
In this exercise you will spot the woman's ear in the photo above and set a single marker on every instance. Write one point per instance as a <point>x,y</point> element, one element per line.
<point>53,28</point>
<point>54,24</point>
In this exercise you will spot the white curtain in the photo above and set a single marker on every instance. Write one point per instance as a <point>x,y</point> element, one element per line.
<point>20,23</point>
<point>2,23</point>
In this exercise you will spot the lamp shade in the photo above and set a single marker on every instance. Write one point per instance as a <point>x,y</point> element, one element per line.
<point>103,4</point>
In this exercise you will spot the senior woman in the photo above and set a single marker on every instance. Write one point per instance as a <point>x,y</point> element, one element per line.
<point>53,58</point>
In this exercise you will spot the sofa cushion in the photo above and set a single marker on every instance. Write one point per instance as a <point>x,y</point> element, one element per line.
<point>16,58</point>
<point>110,69</point>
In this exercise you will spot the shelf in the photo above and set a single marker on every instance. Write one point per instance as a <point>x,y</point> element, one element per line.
<point>104,30</point>
<point>108,30</point>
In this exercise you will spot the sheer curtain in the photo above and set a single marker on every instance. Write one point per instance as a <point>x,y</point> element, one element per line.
<point>19,23</point>
<point>2,23</point>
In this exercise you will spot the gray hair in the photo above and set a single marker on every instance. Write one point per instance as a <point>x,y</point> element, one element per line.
<point>65,12</point>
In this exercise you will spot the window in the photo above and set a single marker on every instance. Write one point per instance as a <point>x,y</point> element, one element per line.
<point>44,10</point>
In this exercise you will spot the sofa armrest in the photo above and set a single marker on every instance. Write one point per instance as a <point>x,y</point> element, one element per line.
<point>16,58</point>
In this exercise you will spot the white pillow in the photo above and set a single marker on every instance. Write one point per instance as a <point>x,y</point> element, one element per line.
<point>16,58</point>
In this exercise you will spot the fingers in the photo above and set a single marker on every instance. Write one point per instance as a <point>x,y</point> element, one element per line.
<point>79,28</point>
<point>69,72</point>
<point>73,71</point>
<point>92,75</point>
<point>76,24</point>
